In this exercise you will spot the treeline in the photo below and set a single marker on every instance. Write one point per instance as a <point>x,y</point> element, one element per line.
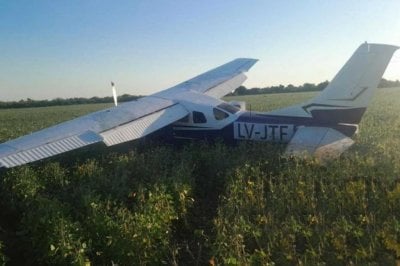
<point>60,101</point>
<point>242,90</point>
<point>281,89</point>
<point>389,83</point>
<point>302,88</point>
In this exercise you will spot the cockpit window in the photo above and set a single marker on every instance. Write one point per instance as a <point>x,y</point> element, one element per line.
<point>198,117</point>
<point>229,108</point>
<point>219,115</point>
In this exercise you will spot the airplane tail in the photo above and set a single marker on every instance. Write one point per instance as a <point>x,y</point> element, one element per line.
<point>347,96</point>
<point>338,109</point>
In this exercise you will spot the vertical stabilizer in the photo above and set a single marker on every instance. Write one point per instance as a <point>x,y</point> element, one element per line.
<point>355,83</point>
<point>347,96</point>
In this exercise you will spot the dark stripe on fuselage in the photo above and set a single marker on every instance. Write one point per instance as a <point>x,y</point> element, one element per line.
<point>336,115</point>
<point>332,122</point>
<point>308,106</point>
<point>191,126</point>
<point>261,126</point>
<point>347,116</point>
<point>225,133</point>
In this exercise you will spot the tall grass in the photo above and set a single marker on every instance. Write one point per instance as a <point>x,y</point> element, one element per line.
<point>205,204</point>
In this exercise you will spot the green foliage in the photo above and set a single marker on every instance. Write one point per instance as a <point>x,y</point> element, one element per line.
<point>281,89</point>
<point>305,214</point>
<point>140,235</point>
<point>388,83</point>
<point>3,258</point>
<point>204,204</point>
<point>18,122</point>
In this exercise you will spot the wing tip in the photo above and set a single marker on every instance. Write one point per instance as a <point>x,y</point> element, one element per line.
<point>249,59</point>
<point>378,47</point>
<point>246,63</point>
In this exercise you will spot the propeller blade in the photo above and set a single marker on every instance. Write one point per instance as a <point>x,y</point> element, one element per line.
<point>114,92</point>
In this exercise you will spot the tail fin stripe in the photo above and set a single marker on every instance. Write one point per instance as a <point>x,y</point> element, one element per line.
<point>306,107</point>
<point>355,97</point>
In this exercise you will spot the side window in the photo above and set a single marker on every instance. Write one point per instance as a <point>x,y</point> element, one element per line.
<point>219,115</point>
<point>198,117</point>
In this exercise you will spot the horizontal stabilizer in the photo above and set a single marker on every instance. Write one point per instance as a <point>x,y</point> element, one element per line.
<point>322,143</point>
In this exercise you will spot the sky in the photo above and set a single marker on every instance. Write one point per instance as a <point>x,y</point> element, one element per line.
<point>73,48</point>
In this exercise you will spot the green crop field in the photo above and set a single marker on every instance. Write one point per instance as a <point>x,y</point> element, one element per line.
<point>204,204</point>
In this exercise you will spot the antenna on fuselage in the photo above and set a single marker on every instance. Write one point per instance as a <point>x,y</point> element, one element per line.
<point>250,109</point>
<point>114,92</point>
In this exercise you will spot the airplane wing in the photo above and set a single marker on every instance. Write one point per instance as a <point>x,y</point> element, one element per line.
<point>217,82</point>
<point>126,122</point>
<point>321,142</point>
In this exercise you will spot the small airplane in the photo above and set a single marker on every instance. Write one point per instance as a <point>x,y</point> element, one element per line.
<point>321,127</point>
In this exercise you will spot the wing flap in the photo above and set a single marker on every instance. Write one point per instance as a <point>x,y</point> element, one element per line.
<point>143,126</point>
<point>11,156</point>
<point>321,142</point>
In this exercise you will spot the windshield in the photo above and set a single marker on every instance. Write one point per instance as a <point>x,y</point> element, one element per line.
<point>219,115</point>
<point>229,108</point>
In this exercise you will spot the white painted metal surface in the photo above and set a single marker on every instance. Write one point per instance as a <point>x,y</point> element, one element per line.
<point>359,77</point>
<point>321,142</point>
<point>114,93</point>
<point>226,87</point>
<point>143,126</point>
<point>205,83</point>
<point>17,157</point>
